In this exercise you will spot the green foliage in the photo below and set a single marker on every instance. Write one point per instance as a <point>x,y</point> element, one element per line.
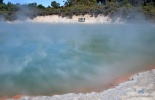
<point>69,3</point>
<point>40,6</point>
<point>32,4</point>
<point>54,4</point>
<point>149,11</point>
<point>3,7</point>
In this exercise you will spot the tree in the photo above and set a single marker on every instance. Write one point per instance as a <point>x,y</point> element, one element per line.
<point>32,4</point>
<point>86,2</point>
<point>69,3</point>
<point>101,1</point>
<point>11,7</point>
<point>1,1</point>
<point>54,4</point>
<point>153,2</point>
<point>40,6</point>
<point>3,7</point>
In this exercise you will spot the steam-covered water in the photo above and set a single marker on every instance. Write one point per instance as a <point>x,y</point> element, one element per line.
<point>46,59</point>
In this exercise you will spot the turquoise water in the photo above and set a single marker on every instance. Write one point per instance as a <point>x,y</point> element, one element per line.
<point>46,59</point>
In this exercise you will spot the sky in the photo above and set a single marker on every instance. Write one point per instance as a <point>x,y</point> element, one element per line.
<point>44,2</point>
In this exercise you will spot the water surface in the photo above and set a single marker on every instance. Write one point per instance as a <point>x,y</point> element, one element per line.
<point>46,59</point>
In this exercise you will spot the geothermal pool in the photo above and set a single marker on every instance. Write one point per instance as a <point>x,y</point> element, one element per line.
<point>47,59</point>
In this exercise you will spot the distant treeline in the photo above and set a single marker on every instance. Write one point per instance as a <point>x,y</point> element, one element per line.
<point>10,11</point>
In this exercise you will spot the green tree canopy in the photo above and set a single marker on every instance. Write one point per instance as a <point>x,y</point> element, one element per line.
<point>40,6</point>
<point>54,4</point>
<point>81,2</point>
<point>32,4</point>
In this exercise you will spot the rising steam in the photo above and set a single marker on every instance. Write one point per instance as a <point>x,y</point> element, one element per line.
<point>45,59</point>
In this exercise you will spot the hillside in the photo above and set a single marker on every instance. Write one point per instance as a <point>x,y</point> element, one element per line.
<point>127,9</point>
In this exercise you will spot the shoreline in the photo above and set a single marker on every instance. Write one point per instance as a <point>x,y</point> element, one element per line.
<point>89,19</point>
<point>58,19</point>
<point>133,89</point>
<point>55,19</point>
<point>116,83</point>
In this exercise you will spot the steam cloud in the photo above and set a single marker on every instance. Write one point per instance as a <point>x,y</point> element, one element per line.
<point>44,59</point>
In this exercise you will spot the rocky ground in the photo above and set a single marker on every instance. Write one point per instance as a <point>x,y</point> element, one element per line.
<point>141,86</point>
